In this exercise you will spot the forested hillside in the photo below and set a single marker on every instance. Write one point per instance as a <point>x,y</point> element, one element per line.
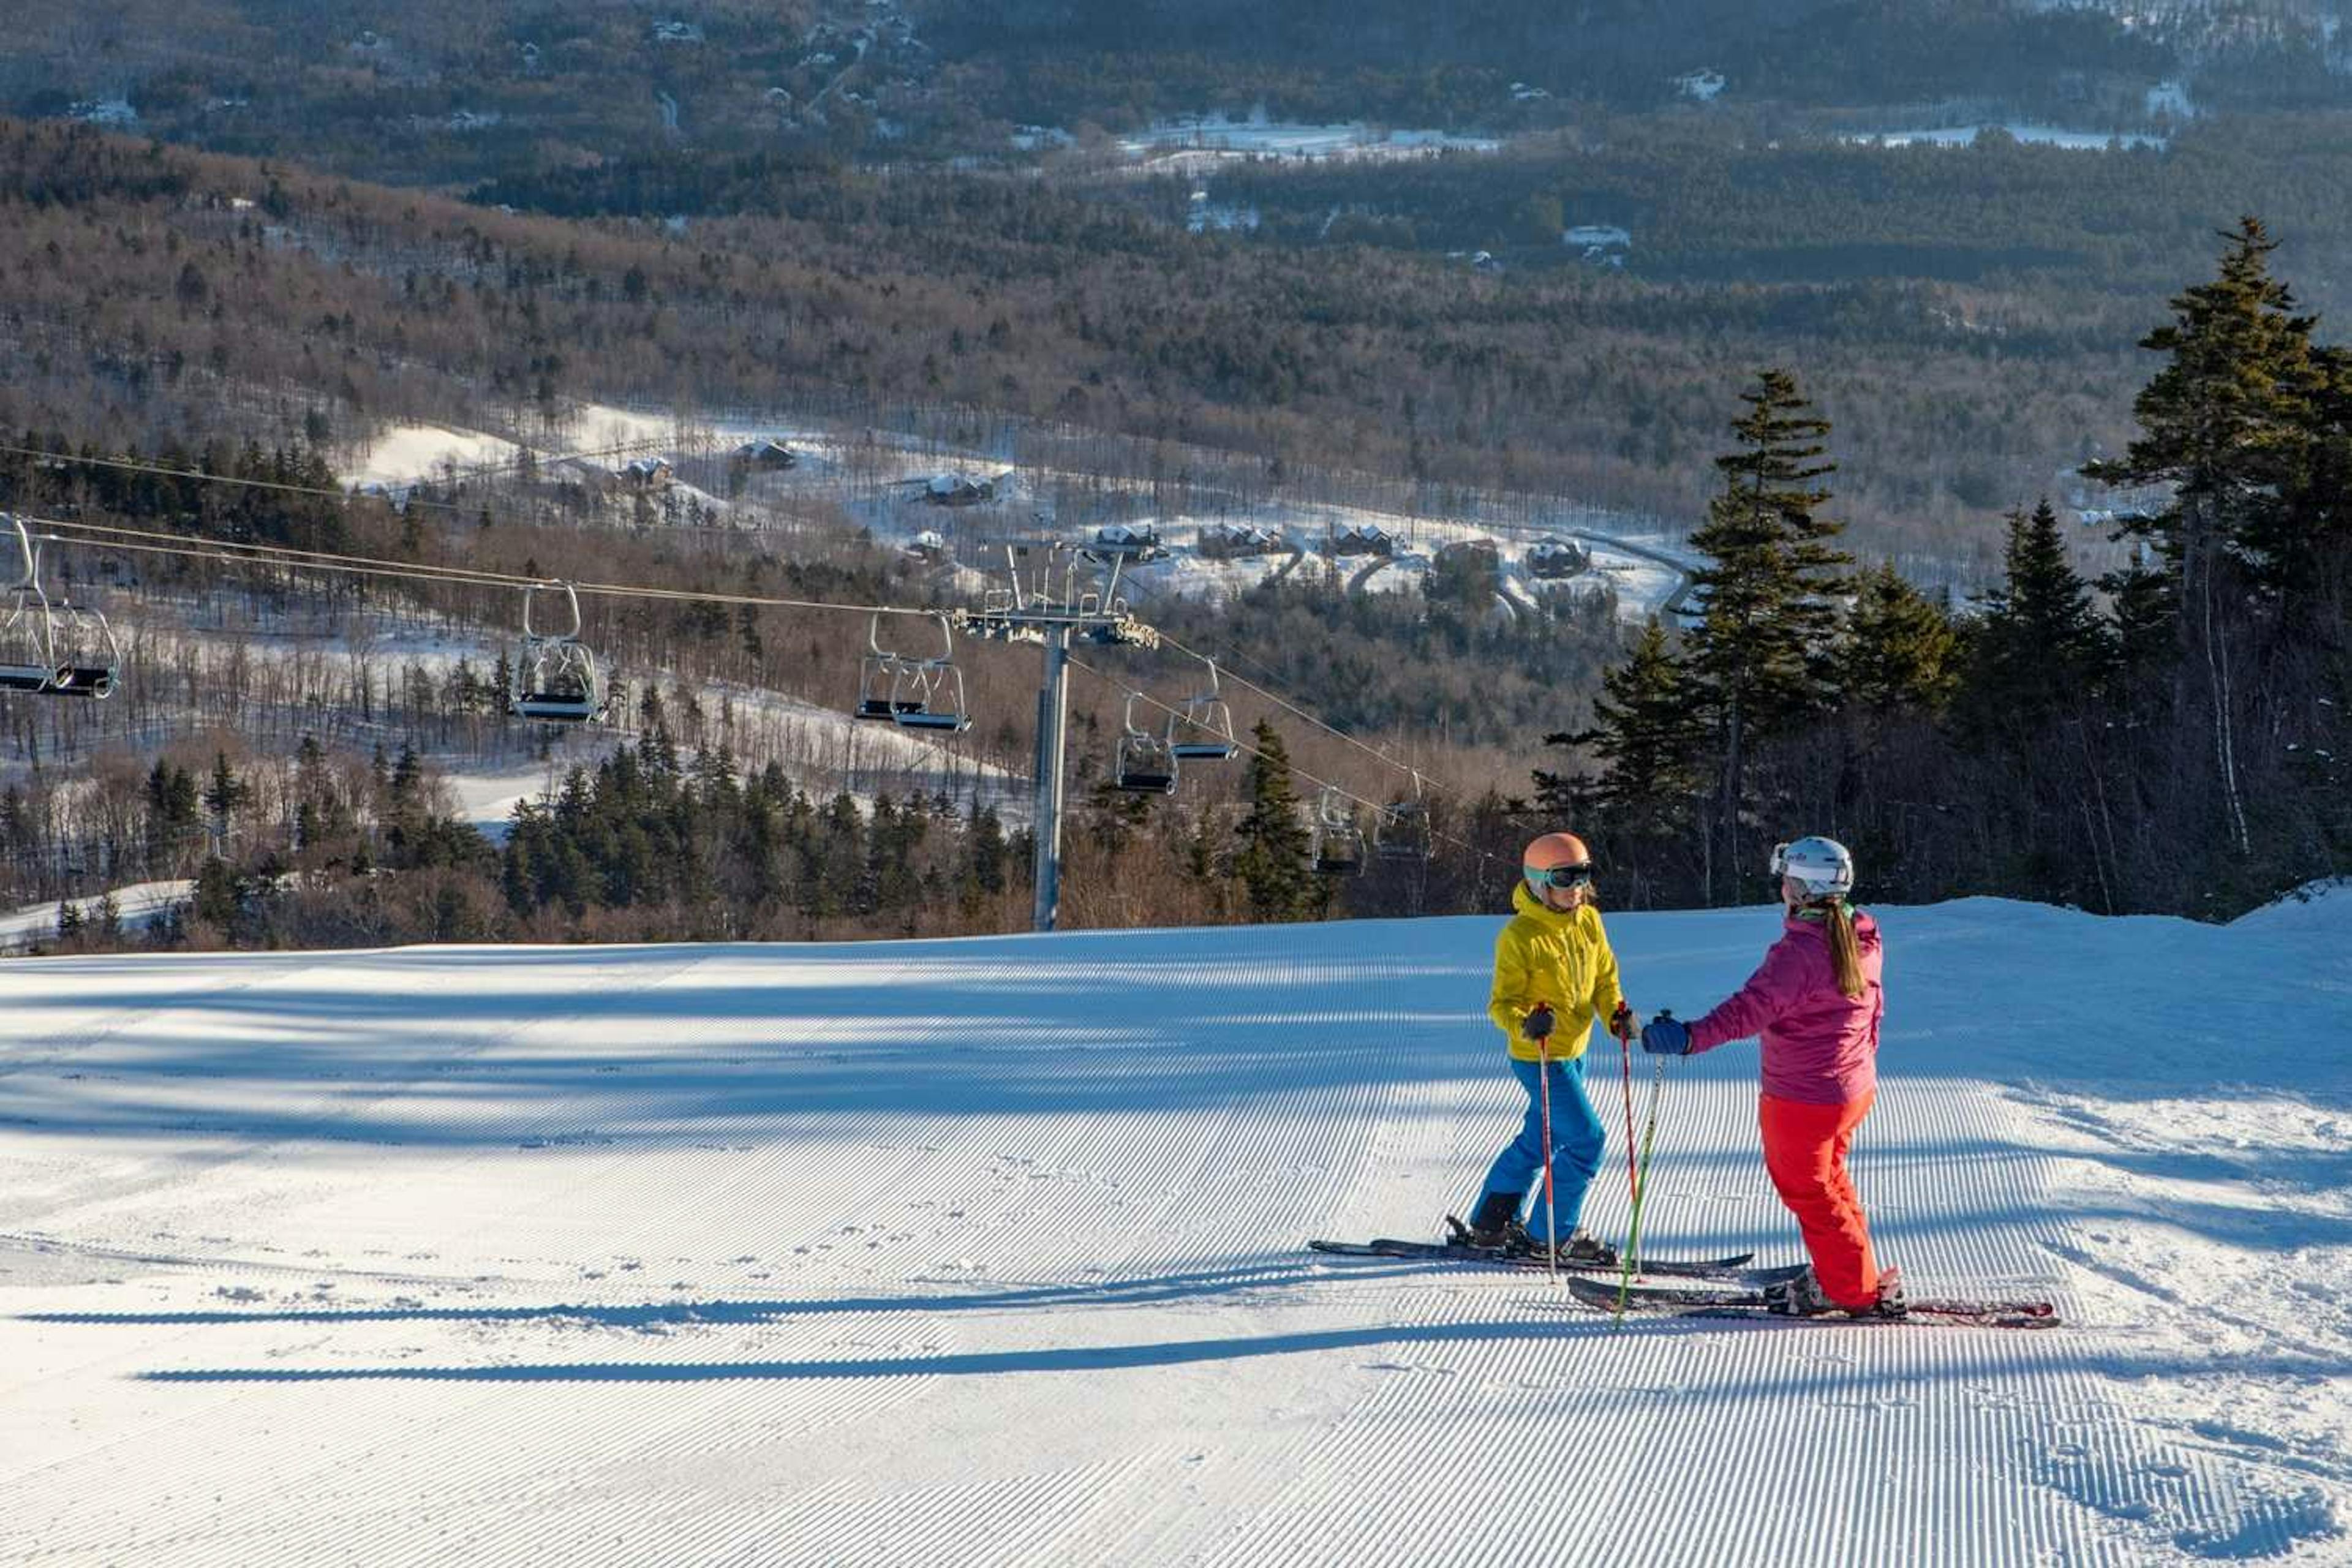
<point>977,222</point>
<point>1316,57</point>
<point>157,293</point>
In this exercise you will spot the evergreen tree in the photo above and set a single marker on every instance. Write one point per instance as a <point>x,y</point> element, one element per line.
<point>1271,861</point>
<point>1901,650</point>
<point>216,896</point>
<point>1761,658</point>
<point>172,812</point>
<point>1651,780</point>
<point>839,848</point>
<point>2227,428</point>
<point>985,857</point>
<point>2315,556</point>
<point>1646,738</point>
<point>2039,647</point>
<point>2226,425</point>
<point>224,794</point>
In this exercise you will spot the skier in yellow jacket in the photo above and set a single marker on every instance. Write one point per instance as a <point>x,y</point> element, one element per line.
<point>1554,975</point>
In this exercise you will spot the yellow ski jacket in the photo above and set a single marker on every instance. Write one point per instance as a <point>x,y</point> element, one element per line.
<point>1544,955</point>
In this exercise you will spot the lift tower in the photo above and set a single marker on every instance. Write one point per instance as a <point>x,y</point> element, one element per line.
<point>1054,593</point>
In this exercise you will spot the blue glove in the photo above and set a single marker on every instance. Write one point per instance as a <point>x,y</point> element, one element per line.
<point>1537,1025</point>
<point>1666,1035</point>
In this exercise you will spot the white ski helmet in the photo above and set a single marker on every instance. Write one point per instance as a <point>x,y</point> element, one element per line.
<point>1823,867</point>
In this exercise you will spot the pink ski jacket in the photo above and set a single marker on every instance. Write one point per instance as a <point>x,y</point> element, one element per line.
<point>1820,1045</point>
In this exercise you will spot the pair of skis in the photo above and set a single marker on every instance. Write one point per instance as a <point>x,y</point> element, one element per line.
<point>1697,1287</point>
<point>1749,1298</point>
<point>1459,1251</point>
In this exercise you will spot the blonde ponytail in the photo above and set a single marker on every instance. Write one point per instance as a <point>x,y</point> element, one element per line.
<point>1846,951</point>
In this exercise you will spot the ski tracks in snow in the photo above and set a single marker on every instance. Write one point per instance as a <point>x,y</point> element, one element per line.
<point>991,1252</point>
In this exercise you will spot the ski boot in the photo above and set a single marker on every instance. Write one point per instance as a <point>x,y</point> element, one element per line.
<point>1581,1249</point>
<point>1799,1296</point>
<point>1494,1225</point>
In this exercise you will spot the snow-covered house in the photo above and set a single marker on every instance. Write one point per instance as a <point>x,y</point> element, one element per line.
<point>959,490</point>
<point>1138,542</point>
<point>1548,557</point>
<point>646,473</point>
<point>1480,552</point>
<point>768,453</point>
<point>1363,539</point>
<point>1238,540</point>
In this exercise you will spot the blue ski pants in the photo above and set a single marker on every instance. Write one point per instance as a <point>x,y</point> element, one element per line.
<point>1578,1141</point>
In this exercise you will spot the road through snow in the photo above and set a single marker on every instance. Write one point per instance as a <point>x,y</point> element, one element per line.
<point>989,1252</point>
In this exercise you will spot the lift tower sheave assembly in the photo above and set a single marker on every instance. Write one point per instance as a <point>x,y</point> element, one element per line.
<point>1054,593</point>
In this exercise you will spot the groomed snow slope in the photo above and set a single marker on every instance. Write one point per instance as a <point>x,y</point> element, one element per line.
<point>989,1252</point>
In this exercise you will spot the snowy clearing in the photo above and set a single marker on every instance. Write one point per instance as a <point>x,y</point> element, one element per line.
<point>2036,135</point>
<point>878,478</point>
<point>1259,137</point>
<point>990,1251</point>
<point>140,905</point>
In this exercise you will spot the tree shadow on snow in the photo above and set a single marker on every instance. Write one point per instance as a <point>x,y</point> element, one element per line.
<point>1143,1290</point>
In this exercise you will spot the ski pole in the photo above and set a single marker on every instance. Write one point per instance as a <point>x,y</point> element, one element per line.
<point>1624,1033</point>
<point>1641,1185</point>
<point>1551,1210</point>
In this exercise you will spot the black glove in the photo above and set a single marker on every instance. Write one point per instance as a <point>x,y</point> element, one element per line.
<point>1620,1021</point>
<point>1537,1025</point>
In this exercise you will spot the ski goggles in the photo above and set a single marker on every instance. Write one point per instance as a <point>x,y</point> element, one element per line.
<point>1558,876</point>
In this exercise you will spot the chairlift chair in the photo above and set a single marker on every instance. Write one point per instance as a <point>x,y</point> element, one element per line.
<point>877,677</point>
<point>1339,843</point>
<point>1146,763</point>
<point>89,657</point>
<point>1203,730</point>
<point>927,693</point>
<point>1401,831</point>
<point>28,637</point>
<point>556,678</point>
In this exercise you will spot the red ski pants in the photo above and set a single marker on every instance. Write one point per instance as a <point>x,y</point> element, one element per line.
<point>1804,1151</point>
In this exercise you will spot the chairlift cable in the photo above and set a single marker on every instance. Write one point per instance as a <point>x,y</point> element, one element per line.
<point>147,542</point>
<point>131,466</point>
<point>1297,711</point>
<point>362,566</point>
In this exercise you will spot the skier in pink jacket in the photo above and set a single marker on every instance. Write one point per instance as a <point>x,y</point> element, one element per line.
<point>1816,1002</point>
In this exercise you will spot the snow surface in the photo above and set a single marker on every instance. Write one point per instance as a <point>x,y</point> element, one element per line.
<point>404,454</point>
<point>991,1252</point>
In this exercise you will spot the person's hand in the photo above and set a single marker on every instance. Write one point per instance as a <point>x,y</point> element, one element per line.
<point>1666,1035</point>
<point>1537,1025</point>
<point>1620,1021</point>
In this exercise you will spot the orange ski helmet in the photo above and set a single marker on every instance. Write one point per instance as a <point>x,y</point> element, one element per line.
<point>1556,849</point>
<point>1556,860</point>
